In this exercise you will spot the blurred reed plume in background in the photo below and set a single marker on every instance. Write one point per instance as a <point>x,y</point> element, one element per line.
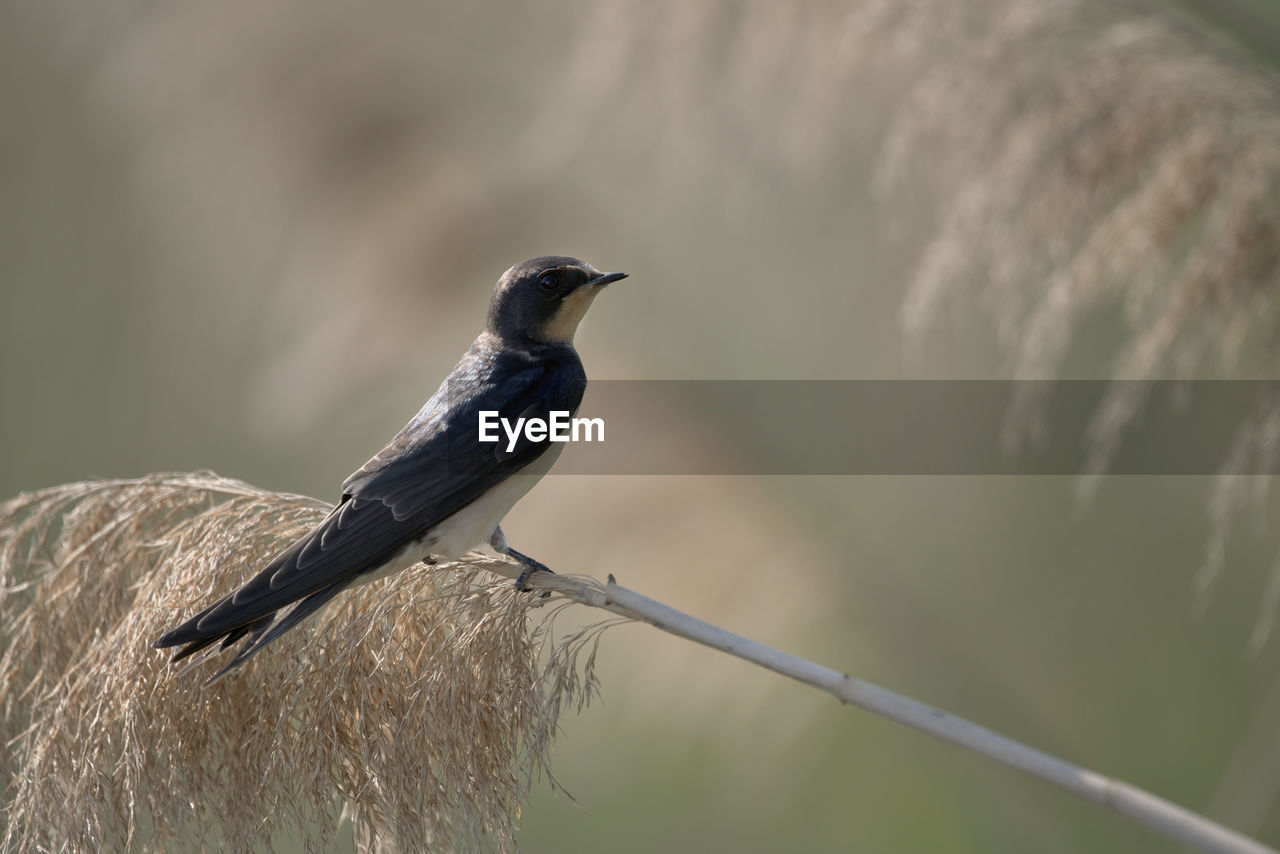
<point>1096,161</point>
<point>1101,162</point>
<point>425,704</point>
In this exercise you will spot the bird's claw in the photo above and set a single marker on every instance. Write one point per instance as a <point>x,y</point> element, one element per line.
<point>530,567</point>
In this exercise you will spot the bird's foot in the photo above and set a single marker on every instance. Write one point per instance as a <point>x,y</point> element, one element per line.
<point>529,567</point>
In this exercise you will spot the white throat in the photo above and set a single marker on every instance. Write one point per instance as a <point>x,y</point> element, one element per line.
<point>564,323</point>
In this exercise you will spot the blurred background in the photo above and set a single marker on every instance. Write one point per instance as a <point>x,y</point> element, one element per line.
<point>253,237</point>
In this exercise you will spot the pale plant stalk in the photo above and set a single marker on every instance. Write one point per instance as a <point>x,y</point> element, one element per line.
<point>1173,821</point>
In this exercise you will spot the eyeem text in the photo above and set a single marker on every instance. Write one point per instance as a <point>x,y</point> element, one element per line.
<point>561,427</point>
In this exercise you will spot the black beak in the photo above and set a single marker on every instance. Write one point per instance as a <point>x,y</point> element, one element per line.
<point>605,278</point>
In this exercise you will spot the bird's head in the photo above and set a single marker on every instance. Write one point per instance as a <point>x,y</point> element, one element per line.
<point>545,298</point>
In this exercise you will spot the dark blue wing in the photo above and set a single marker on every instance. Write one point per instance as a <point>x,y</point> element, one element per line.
<point>433,468</point>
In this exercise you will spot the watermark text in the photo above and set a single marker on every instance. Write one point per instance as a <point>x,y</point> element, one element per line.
<point>560,427</point>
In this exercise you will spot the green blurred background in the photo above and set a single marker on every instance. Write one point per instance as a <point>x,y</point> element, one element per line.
<point>253,237</point>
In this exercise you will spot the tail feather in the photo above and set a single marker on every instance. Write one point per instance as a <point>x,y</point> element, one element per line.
<point>267,630</point>
<point>261,631</point>
<point>190,633</point>
<point>357,538</point>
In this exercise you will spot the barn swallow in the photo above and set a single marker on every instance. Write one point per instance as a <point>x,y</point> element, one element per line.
<point>435,491</point>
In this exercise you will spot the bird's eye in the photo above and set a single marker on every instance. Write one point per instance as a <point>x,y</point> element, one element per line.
<point>549,281</point>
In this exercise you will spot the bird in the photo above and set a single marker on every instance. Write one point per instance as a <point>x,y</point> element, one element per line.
<point>435,491</point>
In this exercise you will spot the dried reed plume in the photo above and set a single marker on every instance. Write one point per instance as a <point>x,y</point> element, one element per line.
<point>1096,158</point>
<point>424,703</point>
<point>1092,161</point>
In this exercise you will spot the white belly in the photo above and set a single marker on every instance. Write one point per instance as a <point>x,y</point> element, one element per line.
<point>473,525</point>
